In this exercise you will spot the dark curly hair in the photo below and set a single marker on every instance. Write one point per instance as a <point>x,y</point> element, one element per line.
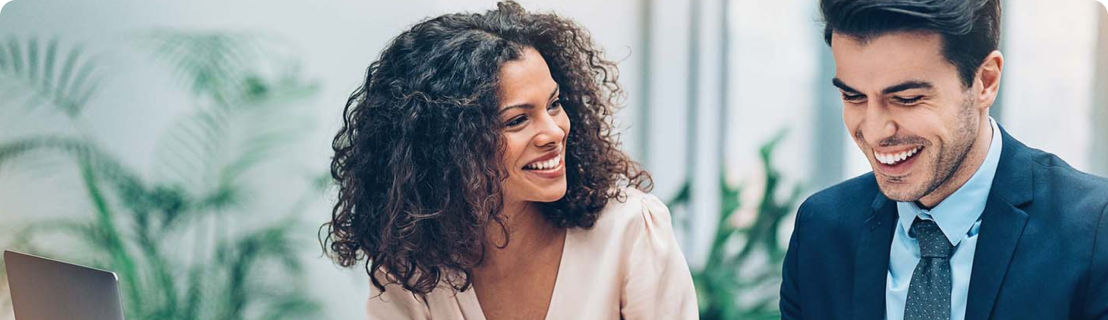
<point>418,159</point>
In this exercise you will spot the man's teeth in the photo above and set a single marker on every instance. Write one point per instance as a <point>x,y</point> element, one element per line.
<point>894,158</point>
<point>544,165</point>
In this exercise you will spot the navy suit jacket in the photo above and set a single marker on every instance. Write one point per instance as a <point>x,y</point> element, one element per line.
<point>1042,251</point>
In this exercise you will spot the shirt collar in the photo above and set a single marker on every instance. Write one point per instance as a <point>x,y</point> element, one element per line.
<point>957,214</point>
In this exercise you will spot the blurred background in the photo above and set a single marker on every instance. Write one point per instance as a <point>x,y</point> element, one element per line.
<point>185,145</point>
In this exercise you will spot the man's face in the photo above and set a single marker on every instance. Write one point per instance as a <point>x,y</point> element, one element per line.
<point>907,110</point>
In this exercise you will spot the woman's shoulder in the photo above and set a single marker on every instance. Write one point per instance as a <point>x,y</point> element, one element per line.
<point>655,279</point>
<point>394,301</point>
<point>633,205</point>
<point>632,213</point>
<point>442,302</point>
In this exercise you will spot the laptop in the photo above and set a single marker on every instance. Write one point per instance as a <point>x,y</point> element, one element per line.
<point>45,289</point>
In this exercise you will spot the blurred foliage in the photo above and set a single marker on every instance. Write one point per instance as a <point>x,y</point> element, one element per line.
<point>741,278</point>
<point>172,239</point>
<point>28,72</point>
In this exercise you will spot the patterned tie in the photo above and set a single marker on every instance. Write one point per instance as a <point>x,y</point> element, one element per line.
<point>929,292</point>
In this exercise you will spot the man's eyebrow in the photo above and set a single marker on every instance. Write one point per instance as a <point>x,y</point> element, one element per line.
<point>908,85</point>
<point>842,86</point>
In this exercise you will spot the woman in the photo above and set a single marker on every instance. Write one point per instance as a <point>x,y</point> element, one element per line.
<point>480,177</point>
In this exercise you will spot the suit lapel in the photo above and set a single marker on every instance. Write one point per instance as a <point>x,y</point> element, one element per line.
<point>1001,227</point>
<point>1002,224</point>
<point>871,264</point>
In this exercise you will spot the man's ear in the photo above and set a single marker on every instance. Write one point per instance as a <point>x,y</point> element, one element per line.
<point>986,85</point>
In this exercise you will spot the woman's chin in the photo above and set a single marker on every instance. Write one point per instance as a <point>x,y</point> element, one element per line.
<point>554,197</point>
<point>549,195</point>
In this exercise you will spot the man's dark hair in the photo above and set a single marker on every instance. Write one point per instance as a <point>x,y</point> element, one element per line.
<point>970,29</point>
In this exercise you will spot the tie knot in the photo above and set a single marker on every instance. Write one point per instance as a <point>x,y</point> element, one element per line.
<point>932,242</point>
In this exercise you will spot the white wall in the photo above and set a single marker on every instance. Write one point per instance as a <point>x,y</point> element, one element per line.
<point>1048,78</point>
<point>1099,146</point>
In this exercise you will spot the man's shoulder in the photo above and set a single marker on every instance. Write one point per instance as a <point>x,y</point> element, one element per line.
<point>1061,183</point>
<point>854,196</point>
<point>1059,171</point>
<point>859,191</point>
<point>1055,185</point>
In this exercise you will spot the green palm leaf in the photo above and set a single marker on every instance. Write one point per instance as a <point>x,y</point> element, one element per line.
<point>95,166</point>
<point>248,121</point>
<point>740,278</point>
<point>240,123</point>
<point>211,65</point>
<point>29,72</point>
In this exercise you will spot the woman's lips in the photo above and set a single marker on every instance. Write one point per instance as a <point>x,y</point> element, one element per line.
<point>550,166</point>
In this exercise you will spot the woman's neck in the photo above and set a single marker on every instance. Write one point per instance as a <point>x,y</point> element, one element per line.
<point>525,231</point>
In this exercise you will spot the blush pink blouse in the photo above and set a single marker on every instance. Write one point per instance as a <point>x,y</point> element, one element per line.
<point>628,266</point>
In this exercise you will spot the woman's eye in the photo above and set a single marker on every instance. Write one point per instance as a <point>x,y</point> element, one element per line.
<point>907,101</point>
<point>557,105</point>
<point>513,122</point>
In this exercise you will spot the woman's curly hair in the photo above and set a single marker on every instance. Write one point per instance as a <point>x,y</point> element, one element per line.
<point>418,159</point>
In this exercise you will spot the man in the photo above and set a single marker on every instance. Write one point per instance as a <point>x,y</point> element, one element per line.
<point>958,220</point>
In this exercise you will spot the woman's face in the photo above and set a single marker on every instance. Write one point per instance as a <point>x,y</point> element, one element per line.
<point>535,131</point>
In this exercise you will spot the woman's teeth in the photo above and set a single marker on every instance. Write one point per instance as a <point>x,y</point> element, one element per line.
<point>544,165</point>
<point>895,158</point>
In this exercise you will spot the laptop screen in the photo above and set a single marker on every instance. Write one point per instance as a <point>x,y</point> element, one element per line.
<point>45,289</point>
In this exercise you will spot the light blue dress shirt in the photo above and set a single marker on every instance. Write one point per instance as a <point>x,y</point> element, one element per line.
<point>959,218</point>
